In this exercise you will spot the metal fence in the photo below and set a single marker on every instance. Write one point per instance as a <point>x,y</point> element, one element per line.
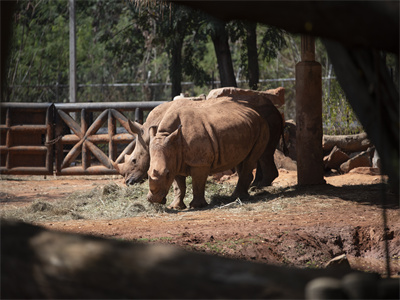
<point>67,138</point>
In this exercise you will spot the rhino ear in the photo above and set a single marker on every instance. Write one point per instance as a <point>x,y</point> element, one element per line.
<point>152,132</point>
<point>135,127</point>
<point>173,136</point>
<point>154,174</point>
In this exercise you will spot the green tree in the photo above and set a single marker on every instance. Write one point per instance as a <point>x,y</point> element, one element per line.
<point>257,42</point>
<point>220,37</point>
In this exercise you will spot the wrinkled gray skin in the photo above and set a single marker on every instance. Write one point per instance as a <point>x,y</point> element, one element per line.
<point>199,141</point>
<point>136,165</point>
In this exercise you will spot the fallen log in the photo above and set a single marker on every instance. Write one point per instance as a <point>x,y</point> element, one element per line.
<point>347,143</point>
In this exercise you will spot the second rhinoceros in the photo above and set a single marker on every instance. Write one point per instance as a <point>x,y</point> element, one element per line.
<point>200,141</point>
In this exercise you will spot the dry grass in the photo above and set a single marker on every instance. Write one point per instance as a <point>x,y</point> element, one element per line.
<point>114,202</point>
<point>109,202</point>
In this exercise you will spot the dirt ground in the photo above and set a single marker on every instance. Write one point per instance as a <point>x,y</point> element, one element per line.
<point>297,226</point>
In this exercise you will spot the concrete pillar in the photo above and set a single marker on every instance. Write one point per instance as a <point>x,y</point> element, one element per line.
<point>309,116</point>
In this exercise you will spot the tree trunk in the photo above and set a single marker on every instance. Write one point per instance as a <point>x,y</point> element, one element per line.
<point>223,53</point>
<point>175,67</point>
<point>252,56</point>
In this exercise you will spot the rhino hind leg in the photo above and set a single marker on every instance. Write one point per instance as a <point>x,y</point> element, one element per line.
<point>245,172</point>
<point>179,193</point>
<point>266,171</point>
<point>259,176</point>
<point>199,179</point>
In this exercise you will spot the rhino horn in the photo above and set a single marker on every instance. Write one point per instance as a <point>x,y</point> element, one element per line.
<point>115,165</point>
<point>119,168</point>
<point>135,127</point>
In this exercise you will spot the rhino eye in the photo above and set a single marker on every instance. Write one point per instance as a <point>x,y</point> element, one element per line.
<point>134,161</point>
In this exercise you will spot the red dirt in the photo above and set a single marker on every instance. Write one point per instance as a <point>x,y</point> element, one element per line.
<point>303,227</point>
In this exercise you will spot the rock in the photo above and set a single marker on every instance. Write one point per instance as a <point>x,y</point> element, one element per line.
<point>324,288</point>
<point>361,160</point>
<point>335,159</point>
<point>198,98</point>
<point>222,176</point>
<point>340,261</point>
<point>348,143</point>
<point>366,171</point>
<point>389,288</point>
<point>276,96</point>
<point>361,285</point>
<point>289,134</point>
<point>376,160</point>
<point>284,162</point>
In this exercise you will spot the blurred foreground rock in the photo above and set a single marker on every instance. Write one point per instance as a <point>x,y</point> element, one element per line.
<point>42,264</point>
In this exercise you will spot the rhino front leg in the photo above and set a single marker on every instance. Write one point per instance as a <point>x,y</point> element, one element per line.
<point>199,179</point>
<point>179,193</point>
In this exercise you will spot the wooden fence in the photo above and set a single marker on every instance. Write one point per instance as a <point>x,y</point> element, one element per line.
<point>66,138</point>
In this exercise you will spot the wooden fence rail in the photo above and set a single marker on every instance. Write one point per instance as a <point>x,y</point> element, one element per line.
<point>66,138</point>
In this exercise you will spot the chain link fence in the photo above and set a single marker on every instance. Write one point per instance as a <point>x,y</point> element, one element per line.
<point>338,116</point>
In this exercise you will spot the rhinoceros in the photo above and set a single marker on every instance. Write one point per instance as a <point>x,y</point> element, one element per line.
<point>135,167</point>
<point>199,141</point>
<point>264,102</point>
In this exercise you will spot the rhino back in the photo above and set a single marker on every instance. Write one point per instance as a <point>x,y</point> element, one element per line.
<point>219,135</point>
<point>264,102</point>
<point>155,116</point>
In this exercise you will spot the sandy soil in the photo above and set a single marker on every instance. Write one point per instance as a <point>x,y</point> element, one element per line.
<point>301,226</point>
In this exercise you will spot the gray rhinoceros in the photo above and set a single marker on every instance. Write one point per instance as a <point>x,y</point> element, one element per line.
<point>264,102</point>
<point>199,141</point>
<point>135,167</point>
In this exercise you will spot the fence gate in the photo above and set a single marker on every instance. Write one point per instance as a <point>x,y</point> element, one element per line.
<point>25,133</point>
<point>67,138</point>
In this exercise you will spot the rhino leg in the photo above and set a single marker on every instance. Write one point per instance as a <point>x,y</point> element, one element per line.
<point>199,179</point>
<point>179,193</point>
<point>259,175</point>
<point>244,171</point>
<point>270,172</point>
<point>266,169</point>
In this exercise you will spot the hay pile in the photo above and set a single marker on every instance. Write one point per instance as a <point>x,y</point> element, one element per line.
<point>108,202</point>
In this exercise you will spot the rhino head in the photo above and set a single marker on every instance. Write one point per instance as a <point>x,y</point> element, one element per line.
<point>135,167</point>
<point>164,163</point>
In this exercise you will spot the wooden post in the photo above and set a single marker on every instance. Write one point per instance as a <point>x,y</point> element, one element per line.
<point>72,52</point>
<point>139,115</point>
<point>309,116</point>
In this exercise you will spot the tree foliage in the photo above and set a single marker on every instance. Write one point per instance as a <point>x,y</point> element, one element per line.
<point>159,46</point>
